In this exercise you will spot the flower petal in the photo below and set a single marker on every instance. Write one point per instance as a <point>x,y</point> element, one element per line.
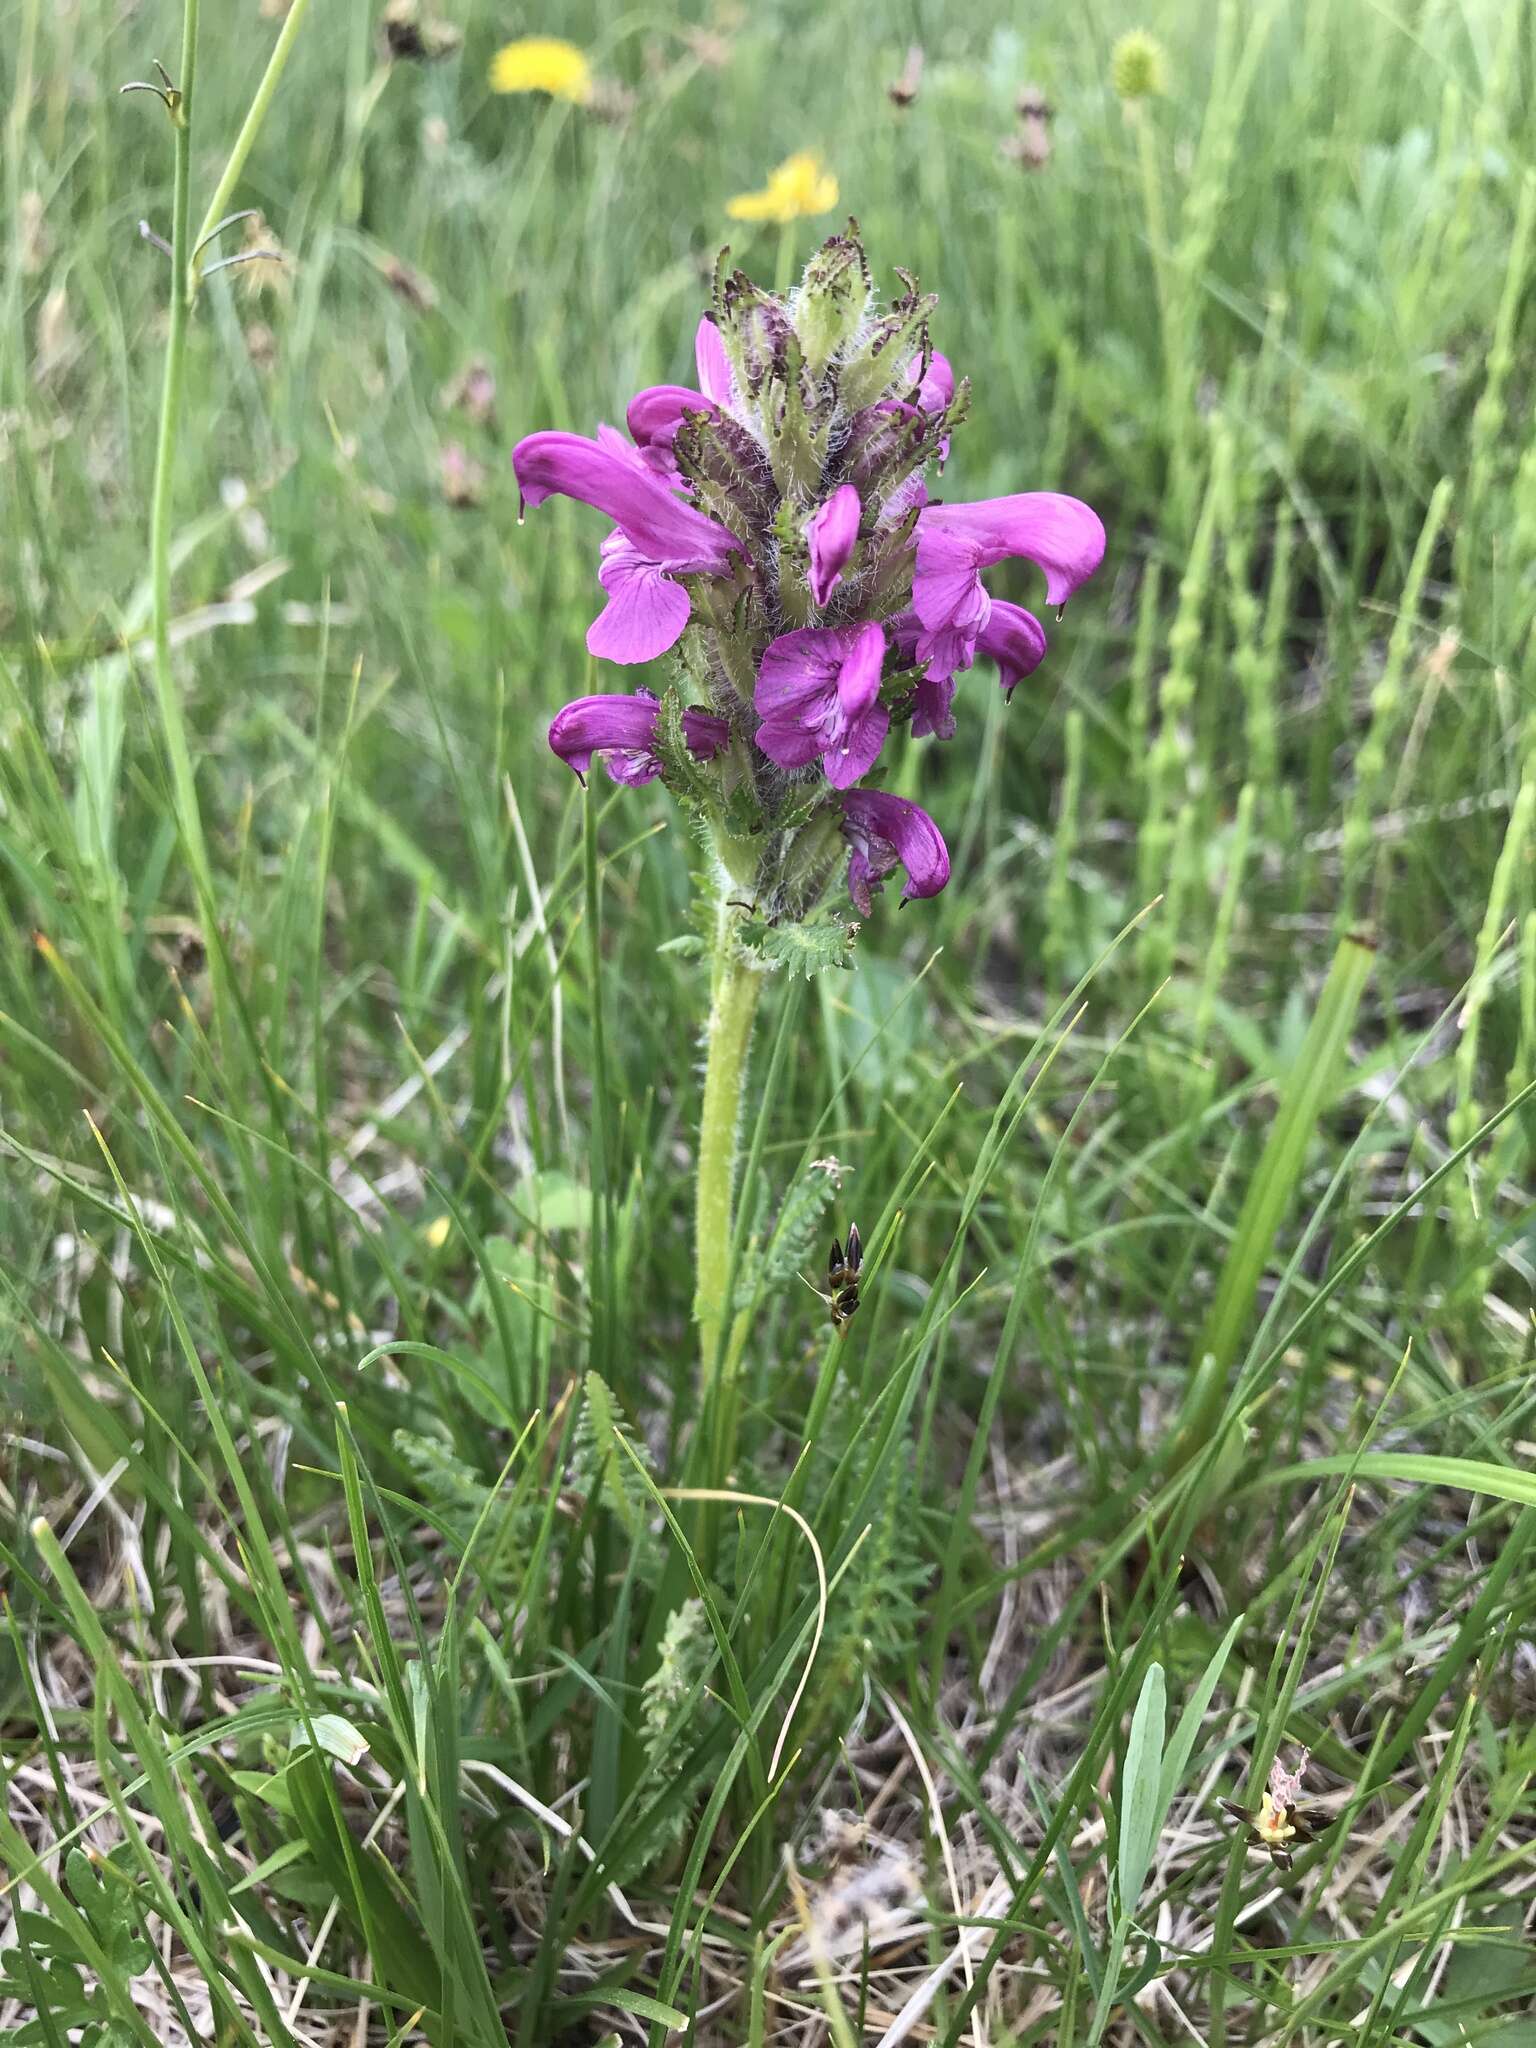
<point>646,611</point>
<point>1063,536</point>
<point>788,743</point>
<point>859,748</point>
<point>947,596</point>
<point>800,667</point>
<point>832,532</point>
<point>936,384</point>
<point>714,365</point>
<point>616,480</point>
<point>933,708</point>
<point>1014,639</point>
<point>882,829</point>
<point>607,724</point>
<point>654,416</point>
<point>706,734</point>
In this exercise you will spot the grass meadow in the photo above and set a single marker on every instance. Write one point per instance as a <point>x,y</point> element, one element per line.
<point>401,1641</point>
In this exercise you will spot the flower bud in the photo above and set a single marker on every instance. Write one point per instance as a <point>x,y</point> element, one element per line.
<point>1137,69</point>
<point>878,364</point>
<point>833,301</point>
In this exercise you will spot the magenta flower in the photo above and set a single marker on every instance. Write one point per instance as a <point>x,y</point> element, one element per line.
<point>956,542</point>
<point>832,532</point>
<point>935,384</point>
<point>653,418</point>
<point>885,831</point>
<point>818,693</point>
<point>935,389</point>
<point>622,732</point>
<point>714,366</point>
<point>664,536</point>
<point>1012,637</point>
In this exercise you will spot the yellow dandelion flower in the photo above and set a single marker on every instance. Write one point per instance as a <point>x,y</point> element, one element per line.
<point>799,187</point>
<point>543,64</point>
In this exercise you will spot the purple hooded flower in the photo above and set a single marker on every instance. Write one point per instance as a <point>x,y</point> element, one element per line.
<point>884,831</point>
<point>832,532</point>
<point>663,536</point>
<point>653,418</point>
<point>622,731</point>
<point>1012,637</point>
<point>956,542</point>
<point>818,693</point>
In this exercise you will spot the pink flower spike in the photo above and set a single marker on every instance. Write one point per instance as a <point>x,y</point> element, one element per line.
<point>818,694</point>
<point>832,532</point>
<point>884,831</point>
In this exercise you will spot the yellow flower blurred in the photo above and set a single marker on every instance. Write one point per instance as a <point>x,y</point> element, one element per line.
<point>797,189</point>
<point>543,64</point>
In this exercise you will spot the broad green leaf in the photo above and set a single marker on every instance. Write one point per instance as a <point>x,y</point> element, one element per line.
<point>1140,1782</point>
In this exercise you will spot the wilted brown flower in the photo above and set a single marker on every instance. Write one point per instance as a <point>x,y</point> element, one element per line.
<point>417,291</point>
<point>55,338</point>
<point>261,344</point>
<point>266,267</point>
<point>33,242</point>
<point>412,37</point>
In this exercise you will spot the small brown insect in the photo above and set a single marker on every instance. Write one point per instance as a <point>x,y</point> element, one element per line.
<point>843,1278</point>
<point>1279,1819</point>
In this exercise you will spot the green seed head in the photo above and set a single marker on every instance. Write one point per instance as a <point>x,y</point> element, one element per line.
<point>1137,67</point>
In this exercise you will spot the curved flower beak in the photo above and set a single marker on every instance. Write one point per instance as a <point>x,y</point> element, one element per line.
<point>622,730</point>
<point>832,533</point>
<point>616,480</point>
<point>884,831</point>
<point>1062,536</point>
<point>1015,640</point>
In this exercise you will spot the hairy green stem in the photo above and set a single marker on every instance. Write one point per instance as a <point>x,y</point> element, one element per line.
<point>733,1005</point>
